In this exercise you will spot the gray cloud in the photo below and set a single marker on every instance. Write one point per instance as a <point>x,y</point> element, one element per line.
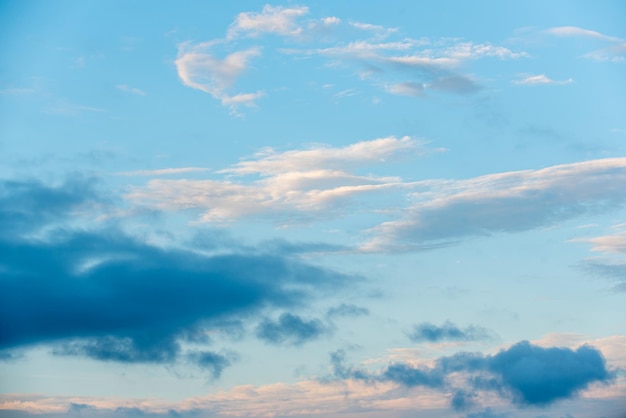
<point>291,329</point>
<point>427,332</point>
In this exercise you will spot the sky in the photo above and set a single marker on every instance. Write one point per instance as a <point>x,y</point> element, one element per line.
<point>324,209</point>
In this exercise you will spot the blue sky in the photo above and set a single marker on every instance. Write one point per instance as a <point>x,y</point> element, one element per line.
<point>321,210</point>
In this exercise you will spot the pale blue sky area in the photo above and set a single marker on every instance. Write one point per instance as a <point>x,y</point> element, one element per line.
<point>245,209</point>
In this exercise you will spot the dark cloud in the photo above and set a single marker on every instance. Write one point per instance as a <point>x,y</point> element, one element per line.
<point>410,376</point>
<point>291,329</point>
<point>462,400</point>
<point>540,376</point>
<point>109,296</point>
<point>28,205</point>
<point>212,362</point>
<point>427,332</point>
<point>347,310</point>
<point>527,374</point>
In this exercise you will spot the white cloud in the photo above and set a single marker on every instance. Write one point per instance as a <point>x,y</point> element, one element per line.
<point>449,210</point>
<point>200,70</point>
<point>541,79</point>
<point>612,244</point>
<point>132,90</point>
<point>569,31</point>
<point>615,52</point>
<point>305,183</point>
<point>277,20</point>
<point>406,89</point>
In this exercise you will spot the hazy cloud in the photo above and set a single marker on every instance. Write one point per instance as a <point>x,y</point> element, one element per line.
<point>291,329</point>
<point>427,332</point>
<point>541,79</point>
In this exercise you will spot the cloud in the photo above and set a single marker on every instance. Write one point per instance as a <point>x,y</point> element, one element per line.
<point>291,329</point>
<point>132,90</point>
<point>199,69</point>
<point>611,270</point>
<point>411,376</point>
<point>406,89</point>
<point>212,362</point>
<point>526,373</point>
<point>347,310</point>
<point>427,332</point>
<point>109,296</point>
<point>540,79</point>
<point>275,20</point>
<point>612,244</point>
<point>299,183</point>
<point>569,31</point>
<point>421,65</point>
<point>539,376</point>
<point>615,52</point>
<point>487,413</point>
<point>162,172</point>
<point>448,210</point>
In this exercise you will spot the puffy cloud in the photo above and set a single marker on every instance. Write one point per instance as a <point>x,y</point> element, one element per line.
<point>528,374</point>
<point>291,329</point>
<point>539,376</point>
<point>109,296</point>
<point>427,332</point>
<point>277,20</point>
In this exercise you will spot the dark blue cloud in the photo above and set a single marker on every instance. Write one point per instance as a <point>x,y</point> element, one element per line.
<point>109,296</point>
<point>527,374</point>
<point>410,376</point>
<point>347,310</point>
<point>540,376</point>
<point>427,332</point>
<point>212,362</point>
<point>291,329</point>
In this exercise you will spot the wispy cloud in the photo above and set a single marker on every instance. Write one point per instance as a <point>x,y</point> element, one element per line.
<point>615,51</point>
<point>507,202</point>
<point>541,79</point>
<point>128,89</point>
<point>162,172</point>
<point>308,182</point>
<point>199,69</point>
<point>569,31</point>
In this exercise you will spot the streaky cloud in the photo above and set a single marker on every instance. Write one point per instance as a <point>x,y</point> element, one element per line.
<point>515,201</point>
